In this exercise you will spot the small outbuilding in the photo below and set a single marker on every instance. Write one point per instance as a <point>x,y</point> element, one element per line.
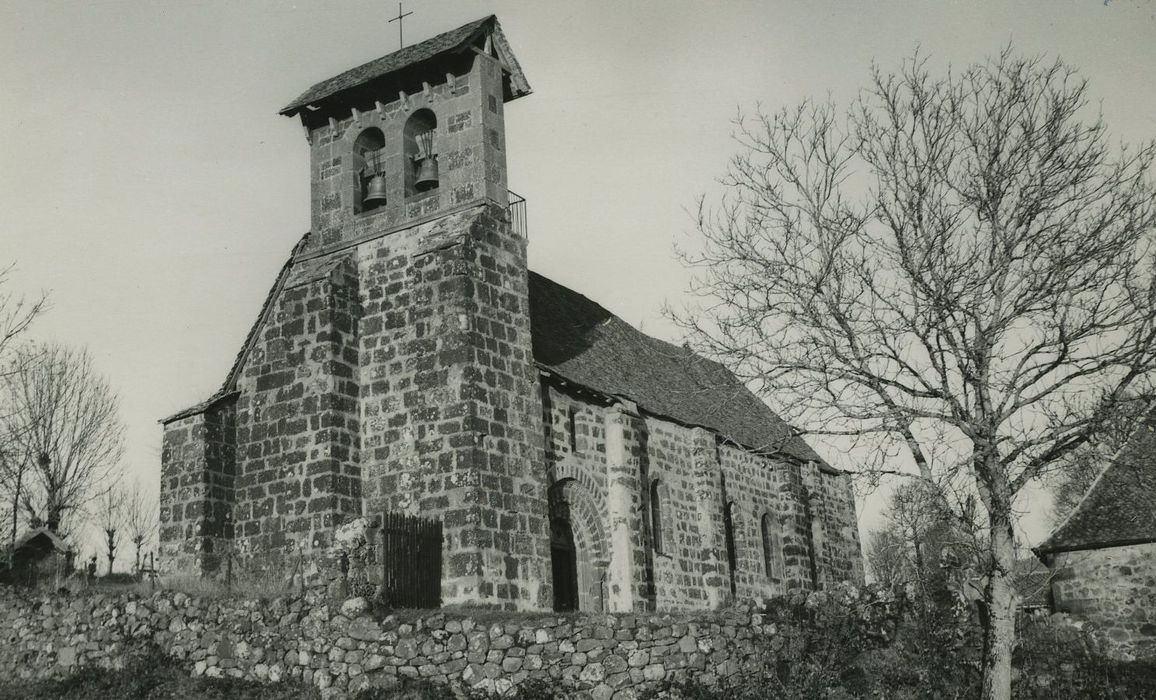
<point>38,554</point>
<point>1103,556</point>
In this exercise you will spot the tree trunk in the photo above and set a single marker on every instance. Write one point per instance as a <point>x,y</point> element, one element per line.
<point>15,510</point>
<point>111,549</point>
<point>999,596</point>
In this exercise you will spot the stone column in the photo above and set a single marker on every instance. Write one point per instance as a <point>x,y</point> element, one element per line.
<point>623,503</point>
<point>708,511</point>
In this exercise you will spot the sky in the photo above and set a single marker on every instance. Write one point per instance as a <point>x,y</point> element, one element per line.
<point>149,185</point>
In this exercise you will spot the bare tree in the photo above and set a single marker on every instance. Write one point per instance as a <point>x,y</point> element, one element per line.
<point>16,315</point>
<point>928,546</point>
<point>141,517</point>
<point>16,312</point>
<point>917,529</point>
<point>888,557</point>
<point>956,272</point>
<point>62,422</point>
<point>110,516</point>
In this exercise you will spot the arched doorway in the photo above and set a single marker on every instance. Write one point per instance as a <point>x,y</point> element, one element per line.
<point>578,553</point>
<point>564,563</point>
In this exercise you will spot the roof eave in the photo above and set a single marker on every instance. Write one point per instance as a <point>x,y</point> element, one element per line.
<point>1047,548</point>
<point>518,85</point>
<point>197,409</point>
<point>554,375</point>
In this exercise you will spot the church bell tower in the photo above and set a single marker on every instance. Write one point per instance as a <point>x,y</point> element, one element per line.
<point>411,213</point>
<point>414,135</point>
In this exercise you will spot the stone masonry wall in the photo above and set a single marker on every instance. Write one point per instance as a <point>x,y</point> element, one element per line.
<point>299,474</point>
<point>198,479</point>
<point>1115,589</point>
<point>467,101</point>
<point>343,650</point>
<point>396,375</point>
<point>812,511</point>
<point>837,547</point>
<point>450,406</point>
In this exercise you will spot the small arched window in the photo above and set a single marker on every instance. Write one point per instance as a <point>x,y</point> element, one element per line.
<point>771,547</point>
<point>420,149</point>
<point>369,170</point>
<point>656,515</point>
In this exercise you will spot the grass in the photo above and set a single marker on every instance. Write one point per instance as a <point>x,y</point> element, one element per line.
<point>151,676</point>
<point>193,586</point>
<point>156,676</point>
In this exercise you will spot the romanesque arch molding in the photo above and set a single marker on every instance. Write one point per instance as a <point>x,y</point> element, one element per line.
<point>574,503</point>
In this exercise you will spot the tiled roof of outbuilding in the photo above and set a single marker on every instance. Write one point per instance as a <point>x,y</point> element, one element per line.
<point>584,343</point>
<point>1120,506</point>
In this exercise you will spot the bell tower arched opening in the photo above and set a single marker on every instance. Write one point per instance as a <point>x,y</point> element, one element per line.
<point>420,149</point>
<point>369,171</point>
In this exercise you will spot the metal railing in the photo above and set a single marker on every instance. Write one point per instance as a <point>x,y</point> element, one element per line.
<point>517,209</point>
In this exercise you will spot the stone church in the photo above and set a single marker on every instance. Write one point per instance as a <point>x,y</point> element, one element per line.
<point>407,360</point>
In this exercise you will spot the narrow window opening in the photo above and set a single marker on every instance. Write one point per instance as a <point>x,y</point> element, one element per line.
<point>770,547</point>
<point>656,515</point>
<point>572,427</point>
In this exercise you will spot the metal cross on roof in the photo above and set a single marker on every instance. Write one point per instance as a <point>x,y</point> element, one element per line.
<point>400,21</point>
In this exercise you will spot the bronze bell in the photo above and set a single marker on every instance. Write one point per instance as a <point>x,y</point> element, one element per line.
<point>427,174</point>
<point>375,193</point>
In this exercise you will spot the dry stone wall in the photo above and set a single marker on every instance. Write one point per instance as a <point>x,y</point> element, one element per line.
<point>342,649</point>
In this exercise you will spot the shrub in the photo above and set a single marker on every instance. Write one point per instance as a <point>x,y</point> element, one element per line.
<point>1053,654</point>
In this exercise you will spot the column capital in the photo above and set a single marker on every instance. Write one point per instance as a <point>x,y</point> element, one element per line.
<point>623,407</point>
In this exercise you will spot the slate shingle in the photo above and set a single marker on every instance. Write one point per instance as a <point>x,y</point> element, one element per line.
<point>584,343</point>
<point>380,67</point>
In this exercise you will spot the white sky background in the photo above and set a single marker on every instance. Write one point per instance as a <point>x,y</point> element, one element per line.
<point>148,183</point>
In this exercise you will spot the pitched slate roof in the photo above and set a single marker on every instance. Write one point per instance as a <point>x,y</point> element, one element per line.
<point>584,343</point>
<point>453,40</point>
<point>1120,506</point>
